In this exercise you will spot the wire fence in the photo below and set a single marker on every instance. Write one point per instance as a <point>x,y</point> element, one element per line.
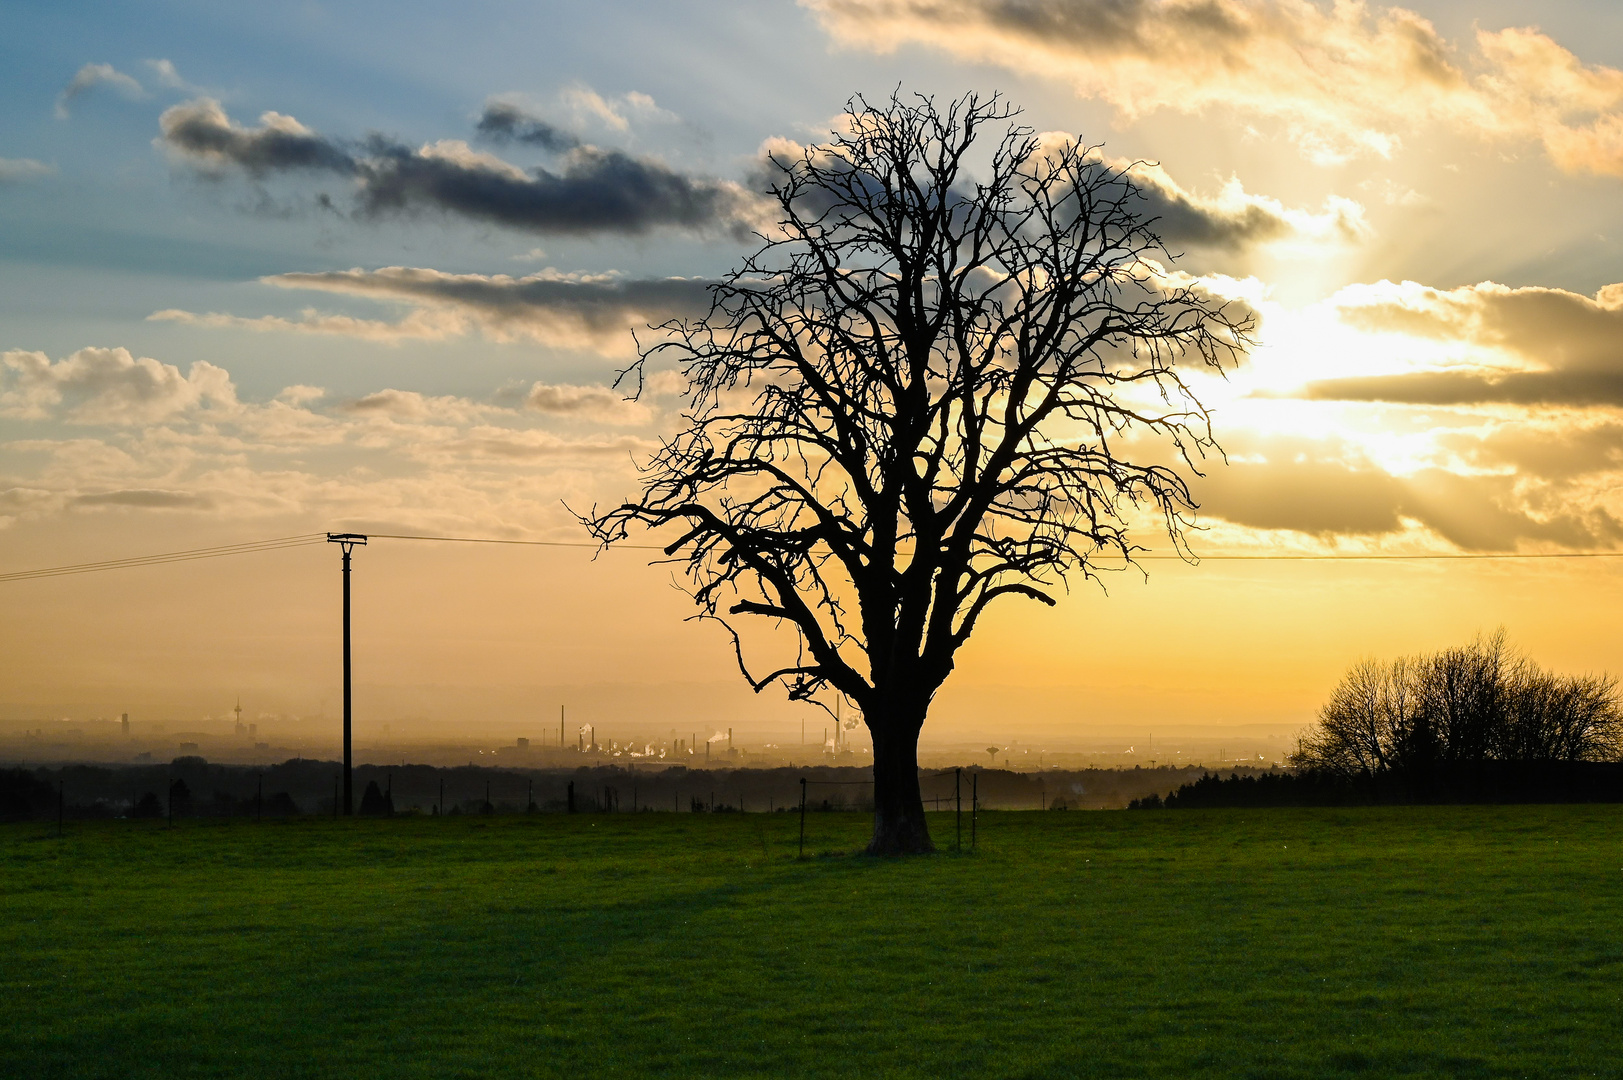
<point>956,804</point>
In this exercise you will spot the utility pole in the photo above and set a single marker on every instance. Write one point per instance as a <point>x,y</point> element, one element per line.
<point>347,542</point>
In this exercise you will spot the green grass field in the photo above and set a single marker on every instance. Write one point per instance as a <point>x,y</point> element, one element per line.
<point>1445,941</point>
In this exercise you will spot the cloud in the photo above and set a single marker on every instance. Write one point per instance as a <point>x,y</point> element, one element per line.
<point>1234,218</point>
<point>420,325</point>
<point>1231,220</point>
<point>146,499</point>
<point>617,114</point>
<point>1576,388</point>
<point>1329,489</point>
<point>164,71</point>
<point>411,405</point>
<point>16,170</point>
<point>506,445</point>
<point>107,386</point>
<point>584,311</point>
<point>504,122</point>
<point>1561,451</point>
<point>91,76</point>
<point>202,134</point>
<point>600,404</point>
<point>593,191</point>
<point>1344,79</point>
<point>1527,346</point>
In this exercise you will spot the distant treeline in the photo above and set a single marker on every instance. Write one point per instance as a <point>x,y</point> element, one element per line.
<point>1478,703</point>
<point>192,787</point>
<point>1482,782</point>
<point>1479,723</point>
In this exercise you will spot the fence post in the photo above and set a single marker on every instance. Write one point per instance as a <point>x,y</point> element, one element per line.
<point>802,817</point>
<point>958,796</point>
<point>974,805</point>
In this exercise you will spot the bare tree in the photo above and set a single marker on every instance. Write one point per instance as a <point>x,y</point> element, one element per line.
<point>1479,702</point>
<point>924,393</point>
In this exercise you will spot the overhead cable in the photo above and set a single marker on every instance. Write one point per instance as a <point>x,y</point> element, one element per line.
<point>190,555</point>
<point>306,539</point>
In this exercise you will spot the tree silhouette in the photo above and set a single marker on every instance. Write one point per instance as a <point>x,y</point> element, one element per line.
<point>921,395</point>
<point>1479,702</point>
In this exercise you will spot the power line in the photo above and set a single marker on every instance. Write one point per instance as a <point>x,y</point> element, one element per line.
<point>190,555</point>
<point>531,543</point>
<point>1377,558</point>
<point>280,543</point>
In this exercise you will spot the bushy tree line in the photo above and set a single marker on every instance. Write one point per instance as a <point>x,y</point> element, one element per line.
<point>1477,703</point>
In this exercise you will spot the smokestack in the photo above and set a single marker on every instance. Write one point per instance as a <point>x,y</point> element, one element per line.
<point>729,740</point>
<point>124,719</point>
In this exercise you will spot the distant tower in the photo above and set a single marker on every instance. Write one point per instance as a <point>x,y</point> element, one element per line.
<point>125,720</point>
<point>238,710</point>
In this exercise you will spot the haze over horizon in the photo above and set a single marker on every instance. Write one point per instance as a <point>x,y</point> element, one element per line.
<point>340,267</point>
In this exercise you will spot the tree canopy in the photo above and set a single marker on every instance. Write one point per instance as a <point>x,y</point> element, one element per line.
<point>955,372</point>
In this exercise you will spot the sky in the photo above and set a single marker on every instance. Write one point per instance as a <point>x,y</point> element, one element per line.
<point>277,270</point>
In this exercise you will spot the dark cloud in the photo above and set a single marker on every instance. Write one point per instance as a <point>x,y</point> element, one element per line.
<point>1234,219</point>
<point>591,311</point>
<point>1553,327</point>
<point>1231,221</point>
<point>202,132</point>
<point>1315,488</point>
<point>594,191</point>
<point>1574,341</point>
<point>1470,388</point>
<point>502,122</point>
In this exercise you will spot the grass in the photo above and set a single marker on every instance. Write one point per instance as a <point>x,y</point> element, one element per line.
<point>1441,941</point>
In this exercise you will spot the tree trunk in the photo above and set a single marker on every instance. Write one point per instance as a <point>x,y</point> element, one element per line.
<point>899,827</point>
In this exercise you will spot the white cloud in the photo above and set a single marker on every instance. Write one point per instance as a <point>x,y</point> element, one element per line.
<point>420,325</point>
<point>14,170</point>
<point>108,386</point>
<point>178,444</point>
<point>93,75</point>
<point>164,71</point>
<point>599,404</point>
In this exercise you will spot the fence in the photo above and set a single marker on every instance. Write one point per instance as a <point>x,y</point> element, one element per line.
<point>957,799</point>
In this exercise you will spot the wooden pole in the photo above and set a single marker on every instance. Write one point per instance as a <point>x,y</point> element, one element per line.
<point>958,796</point>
